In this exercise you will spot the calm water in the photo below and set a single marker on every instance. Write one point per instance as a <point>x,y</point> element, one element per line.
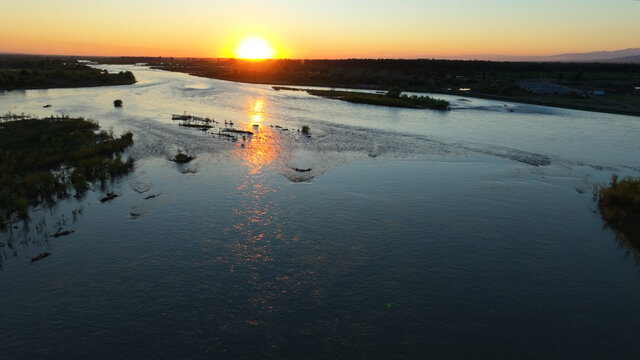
<point>417,234</point>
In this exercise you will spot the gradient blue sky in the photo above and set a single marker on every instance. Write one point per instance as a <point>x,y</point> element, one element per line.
<point>319,29</point>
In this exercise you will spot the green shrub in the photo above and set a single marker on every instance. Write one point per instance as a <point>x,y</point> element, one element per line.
<point>181,158</point>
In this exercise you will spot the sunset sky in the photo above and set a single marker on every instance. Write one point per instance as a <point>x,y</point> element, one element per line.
<point>319,29</point>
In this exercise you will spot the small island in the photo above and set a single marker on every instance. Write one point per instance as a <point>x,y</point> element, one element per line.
<point>40,72</point>
<point>42,160</point>
<point>182,158</point>
<point>393,98</point>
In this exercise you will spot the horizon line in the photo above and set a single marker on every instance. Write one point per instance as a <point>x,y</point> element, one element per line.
<point>467,57</point>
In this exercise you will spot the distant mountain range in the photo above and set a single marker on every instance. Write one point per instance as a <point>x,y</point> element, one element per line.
<point>627,59</point>
<point>618,56</point>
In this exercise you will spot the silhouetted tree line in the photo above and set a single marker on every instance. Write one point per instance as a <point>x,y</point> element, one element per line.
<point>488,77</point>
<point>28,72</point>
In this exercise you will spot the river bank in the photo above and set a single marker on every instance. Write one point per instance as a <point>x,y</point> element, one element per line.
<point>478,79</point>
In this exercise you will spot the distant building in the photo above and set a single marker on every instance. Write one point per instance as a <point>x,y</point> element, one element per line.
<point>543,87</point>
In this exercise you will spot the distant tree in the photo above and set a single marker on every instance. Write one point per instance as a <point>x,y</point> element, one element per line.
<point>394,92</point>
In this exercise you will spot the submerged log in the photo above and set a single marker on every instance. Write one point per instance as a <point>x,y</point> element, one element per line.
<point>226,135</point>
<point>197,126</point>
<point>62,233</point>
<point>237,131</point>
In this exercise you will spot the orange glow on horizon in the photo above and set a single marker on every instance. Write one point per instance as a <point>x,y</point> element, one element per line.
<point>313,30</point>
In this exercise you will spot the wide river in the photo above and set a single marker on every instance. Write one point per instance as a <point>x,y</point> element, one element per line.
<point>462,234</point>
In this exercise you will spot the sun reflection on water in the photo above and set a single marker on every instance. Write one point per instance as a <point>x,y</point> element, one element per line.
<point>264,146</point>
<point>255,212</point>
<point>256,111</point>
<point>257,230</point>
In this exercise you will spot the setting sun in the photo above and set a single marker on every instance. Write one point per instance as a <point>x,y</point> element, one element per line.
<point>254,48</point>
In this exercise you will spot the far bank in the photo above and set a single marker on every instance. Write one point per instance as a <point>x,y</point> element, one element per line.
<point>599,87</point>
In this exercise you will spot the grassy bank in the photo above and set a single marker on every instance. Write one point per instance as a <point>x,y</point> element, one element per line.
<point>43,160</point>
<point>389,99</point>
<point>619,204</point>
<point>34,72</point>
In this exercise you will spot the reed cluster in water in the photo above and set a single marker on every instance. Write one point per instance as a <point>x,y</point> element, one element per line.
<point>619,204</point>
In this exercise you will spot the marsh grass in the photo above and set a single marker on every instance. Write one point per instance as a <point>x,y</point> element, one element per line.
<point>619,204</point>
<point>41,160</point>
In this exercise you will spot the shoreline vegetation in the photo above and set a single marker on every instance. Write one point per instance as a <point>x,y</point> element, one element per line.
<point>392,98</point>
<point>619,205</point>
<point>43,160</point>
<point>22,72</point>
<point>600,87</point>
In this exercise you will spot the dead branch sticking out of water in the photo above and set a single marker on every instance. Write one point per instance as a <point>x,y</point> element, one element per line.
<point>40,257</point>
<point>62,233</point>
<point>110,196</point>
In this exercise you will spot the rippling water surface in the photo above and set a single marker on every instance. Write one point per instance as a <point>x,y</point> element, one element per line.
<point>415,234</point>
